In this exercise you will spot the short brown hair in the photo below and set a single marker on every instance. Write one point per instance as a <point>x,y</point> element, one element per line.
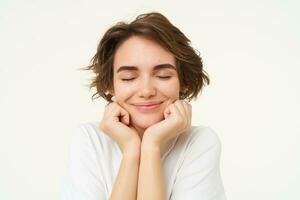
<point>157,27</point>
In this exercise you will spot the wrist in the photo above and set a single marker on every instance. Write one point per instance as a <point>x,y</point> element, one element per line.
<point>135,153</point>
<point>149,139</point>
<point>150,145</point>
<point>131,150</point>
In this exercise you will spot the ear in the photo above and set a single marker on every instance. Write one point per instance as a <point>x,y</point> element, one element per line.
<point>184,89</point>
<point>111,92</point>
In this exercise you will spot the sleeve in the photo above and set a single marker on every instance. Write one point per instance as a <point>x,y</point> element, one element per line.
<point>199,175</point>
<point>83,179</point>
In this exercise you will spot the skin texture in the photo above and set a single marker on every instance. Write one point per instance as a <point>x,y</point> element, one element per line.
<point>139,134</point>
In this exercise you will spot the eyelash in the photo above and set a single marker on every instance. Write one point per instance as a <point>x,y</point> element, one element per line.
<point>161,77</point>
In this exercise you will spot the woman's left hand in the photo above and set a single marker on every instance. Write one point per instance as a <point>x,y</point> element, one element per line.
<point>177,120</point>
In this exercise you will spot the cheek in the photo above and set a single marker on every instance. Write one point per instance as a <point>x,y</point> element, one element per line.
<point>170,89</point>
<point>123,91</point>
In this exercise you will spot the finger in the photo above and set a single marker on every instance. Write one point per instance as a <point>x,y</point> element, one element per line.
<point>109,107</point>
<point>125,118</point>
<point>108,103</point>
<point>188,109</point>
<point>119,114</point>
<point>113,108</point>
<point>169,102</point>
<point>173,110</point>
<point>180,107</point>
<point>167,111</point>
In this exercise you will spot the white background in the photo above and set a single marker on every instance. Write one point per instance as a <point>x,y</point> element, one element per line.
<point>250,50</point>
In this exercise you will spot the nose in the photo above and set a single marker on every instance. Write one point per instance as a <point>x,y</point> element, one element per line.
<point>146,89</point>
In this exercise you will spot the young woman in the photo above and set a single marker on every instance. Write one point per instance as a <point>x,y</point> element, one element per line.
<point>145,147</point>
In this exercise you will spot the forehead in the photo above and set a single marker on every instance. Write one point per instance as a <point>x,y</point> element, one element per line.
<point>143,53</point>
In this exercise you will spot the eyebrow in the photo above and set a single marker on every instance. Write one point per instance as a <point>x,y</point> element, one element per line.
<point>156,68</point>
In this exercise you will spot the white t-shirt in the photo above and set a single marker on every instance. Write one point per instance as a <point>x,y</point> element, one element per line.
<point>190,164</point>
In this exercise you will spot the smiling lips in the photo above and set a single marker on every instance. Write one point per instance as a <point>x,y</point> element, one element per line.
<point>147,107</point>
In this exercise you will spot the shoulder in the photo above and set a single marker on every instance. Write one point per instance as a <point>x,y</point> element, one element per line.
<point>86,127</point>
<point>84,131</point>
<point>200,139</point>
<point>198,174</point>
<point>204,134</point>
<point>89,133</point>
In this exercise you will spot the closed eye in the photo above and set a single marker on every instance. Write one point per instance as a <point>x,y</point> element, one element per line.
<point>160,77</point>
<point>164,77</point>
<point>127,79</point>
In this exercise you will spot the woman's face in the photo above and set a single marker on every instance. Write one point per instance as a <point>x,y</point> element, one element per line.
<point>144,73</point>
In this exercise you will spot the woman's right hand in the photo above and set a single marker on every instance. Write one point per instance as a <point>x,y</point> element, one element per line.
<point>116,124</point>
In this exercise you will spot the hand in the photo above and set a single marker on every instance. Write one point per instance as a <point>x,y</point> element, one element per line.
<point>177,120</point>
<point>115,123</point>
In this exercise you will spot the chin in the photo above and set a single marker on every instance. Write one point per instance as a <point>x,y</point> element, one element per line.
<point>147,121</point>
